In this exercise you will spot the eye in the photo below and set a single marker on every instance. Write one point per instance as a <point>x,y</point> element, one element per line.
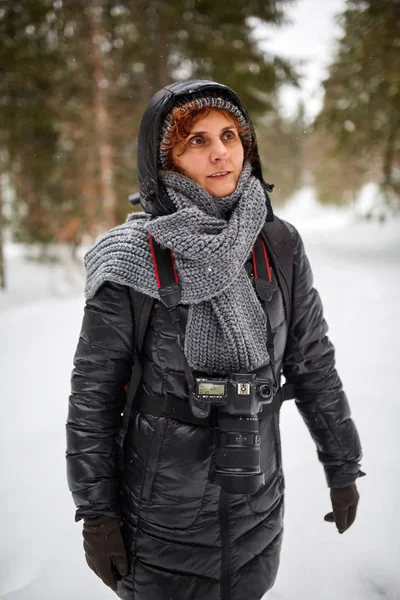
<point>229,135</point>
<point>196,141</point>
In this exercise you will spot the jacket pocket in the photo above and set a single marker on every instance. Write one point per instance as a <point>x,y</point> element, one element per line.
<point>177,474</point>
<point>152,459</point>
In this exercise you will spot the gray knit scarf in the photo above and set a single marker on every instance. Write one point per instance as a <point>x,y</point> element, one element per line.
<point>211,239</point>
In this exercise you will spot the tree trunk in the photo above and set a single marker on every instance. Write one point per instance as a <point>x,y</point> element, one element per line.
<point>163,78</point>
<point>88,194</point>
<point>152,24</point>
<point>101,117</point>
<point>388,159</point>
<point>387,167</point>
<point>2,260</point>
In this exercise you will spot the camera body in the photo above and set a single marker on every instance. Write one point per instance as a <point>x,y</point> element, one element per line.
<point>238,399</point>
<point>240,394</point>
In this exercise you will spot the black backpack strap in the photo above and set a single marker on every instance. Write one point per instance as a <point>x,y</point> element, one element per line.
<point>166,276</point>
<point>279,243</point>
<point>167,282</point>
<point>264,283</point>
<point>170,294</point>
<point>141,309</point>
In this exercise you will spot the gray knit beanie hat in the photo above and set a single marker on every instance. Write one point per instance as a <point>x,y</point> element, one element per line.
<point>198,103</point>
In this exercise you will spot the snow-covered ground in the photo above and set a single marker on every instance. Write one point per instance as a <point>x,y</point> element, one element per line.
<point>356,267</point>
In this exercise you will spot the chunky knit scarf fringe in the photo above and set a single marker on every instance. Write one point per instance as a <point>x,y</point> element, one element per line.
<point>211,239</point>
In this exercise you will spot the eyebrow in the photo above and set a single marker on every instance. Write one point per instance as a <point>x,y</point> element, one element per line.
<point>222,130</point>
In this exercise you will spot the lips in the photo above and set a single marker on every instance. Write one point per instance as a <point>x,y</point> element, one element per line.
<point>219,174</point>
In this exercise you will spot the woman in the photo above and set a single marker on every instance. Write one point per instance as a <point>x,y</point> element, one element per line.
<point>184,520</point>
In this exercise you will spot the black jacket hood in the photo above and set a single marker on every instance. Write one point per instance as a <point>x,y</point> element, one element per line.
<point>153,196</point>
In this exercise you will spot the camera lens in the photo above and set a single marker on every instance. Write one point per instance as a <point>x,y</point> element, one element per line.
<point>237,460</point>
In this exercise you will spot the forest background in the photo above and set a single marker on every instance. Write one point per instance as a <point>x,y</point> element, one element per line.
<point>75,77</point>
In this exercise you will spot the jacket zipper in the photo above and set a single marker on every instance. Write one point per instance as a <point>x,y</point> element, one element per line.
<point>224,527</point>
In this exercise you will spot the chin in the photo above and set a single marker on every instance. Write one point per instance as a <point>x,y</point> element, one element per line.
<point>221,191</point>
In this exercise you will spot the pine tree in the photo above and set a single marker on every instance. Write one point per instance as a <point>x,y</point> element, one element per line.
<point>211,40</point>
<point>28,132</point>
<point>336,176</point>
<point>2,228</point>
<point>281,142</point>
<point>77,77</point>
<point>362,93</point>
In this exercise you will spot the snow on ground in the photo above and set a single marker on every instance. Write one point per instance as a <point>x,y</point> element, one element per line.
<point>356,268</point>
<point>29,281</point>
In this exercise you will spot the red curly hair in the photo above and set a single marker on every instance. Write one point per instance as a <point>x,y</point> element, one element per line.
<point>182,122</point>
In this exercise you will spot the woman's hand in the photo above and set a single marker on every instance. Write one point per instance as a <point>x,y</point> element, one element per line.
<point>344,504</point>
<point>104,549</point>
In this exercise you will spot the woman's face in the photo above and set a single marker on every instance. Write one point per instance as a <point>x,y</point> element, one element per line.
<point>213,154</point>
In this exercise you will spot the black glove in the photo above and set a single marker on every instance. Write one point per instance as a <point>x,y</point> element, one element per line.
<point>104,549</point>
<point>344,504</point>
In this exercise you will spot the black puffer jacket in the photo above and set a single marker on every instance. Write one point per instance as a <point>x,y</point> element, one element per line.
<point>185,538</point>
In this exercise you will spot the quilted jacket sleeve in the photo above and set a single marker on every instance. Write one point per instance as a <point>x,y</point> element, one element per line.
<point>102,366</point>
<point>318,390</point>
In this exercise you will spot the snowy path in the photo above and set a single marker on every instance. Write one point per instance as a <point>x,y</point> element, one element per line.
<point>40,546</point>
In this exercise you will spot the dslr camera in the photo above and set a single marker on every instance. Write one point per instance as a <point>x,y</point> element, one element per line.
<point>238,399</point>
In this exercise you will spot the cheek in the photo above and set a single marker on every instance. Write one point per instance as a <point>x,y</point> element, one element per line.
<point>240,155</point>
<point>193,166</point>
<point>178,156</point>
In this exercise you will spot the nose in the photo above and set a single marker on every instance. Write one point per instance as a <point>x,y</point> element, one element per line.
<point>218,151</point>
